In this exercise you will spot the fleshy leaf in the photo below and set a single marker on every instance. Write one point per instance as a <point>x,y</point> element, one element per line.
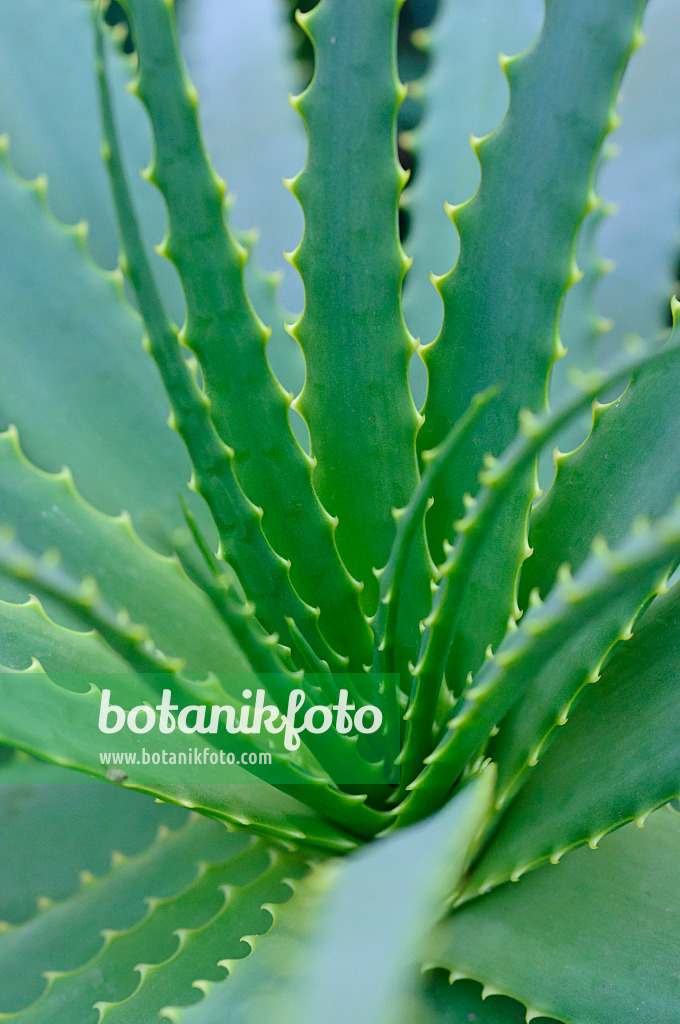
<point>617,758</point>
<point>362,920</point>
<point>464,41</point>
<point>644,182</point>
<point>516,249</point>
<point>569,635</point>
<point>150,926</point>
<point>356,398</point>
<point>594,940</point>
<point>85,822</point>
<point>627,453</point>
<point>239,60</point>
<point>151,588</point>
<point>48,107</point>
<point>267,460</point>
<point>515,266</point>
<point>83,392</point>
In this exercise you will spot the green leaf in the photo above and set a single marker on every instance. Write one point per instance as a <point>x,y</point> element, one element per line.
<point>644,182</point>
<point>62,728</point>
<point>594,940</point>
<point>82,392</point>
<point>440,1001</point>
<point>380,909</point>
<point>65,932</point>
<point>360,921</point>
<point>263,985</point>
<point>262,572</point>
<point>50,721</point>
<point>356,398</point>
<point>443,638</point>
<point>48,107</point>
<point>151,588</point>
<point>180,906</point>
<point>40,801</point>
<point>507,295</point>
<point>239,58</point>
<point>267,461</point>
<point>464,43</point>
<point>627,453</point>
<point>547,657</point>
<point>617,758</point>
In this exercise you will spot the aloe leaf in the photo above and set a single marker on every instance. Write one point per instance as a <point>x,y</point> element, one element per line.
<point>356,398</point>
<point>65,932</point>
<point>488,285</point>
<point>580,328</point>
<point>443,638</point>
<point>408,521</point>
<point>38,799</point>
<point>66,708</point>
<point>464,42</point>
<point>238,59</point>
<point>440,1001</point>
<point>250,903</point>
<point>202,888</point>
<point>381,907</point>
<point>83,392</point>
<point>483,292</point>
<point>219,318</point>
<point>152,588</point>
<point>64,717</point>
<point>28,633</point>
<point>568,635</point>
<point>593,940</point>
<point>644,183</point>
<point>363,919</point>
<point>563,131</point>
<point>263,985</point>
<point>627,453</point>
<point>48,107</point>
<point>263,573</point>
<point>615,761</point>
<point>157,673</point>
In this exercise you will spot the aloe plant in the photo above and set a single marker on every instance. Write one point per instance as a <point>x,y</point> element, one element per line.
<point>254,499</point>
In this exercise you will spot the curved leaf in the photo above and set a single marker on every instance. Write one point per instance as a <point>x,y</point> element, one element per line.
<point>617,758</point>
<point>644,182</point>
<point>75,379</point>
<point>50,514</point>
<point>356,398</point>
<point>80,820</point>
<point>465,40</point>
<point>594,940</point>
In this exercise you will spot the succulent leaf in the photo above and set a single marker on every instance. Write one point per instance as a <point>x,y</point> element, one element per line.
<point>563,640</point>
<point>356,397</point>
<point>615,761</point>
<point>490,281</point>
<point>385,898</point>
<point>591,940</point>
<point>642,238</point>
<point>227,336</point>
<point>83,392</point>
<point>627,453</point>
<point>464,42</point>
<point>185,898</point>
<point>481,295</point>
<point>39,799</point>
<point>152,588</point>
<point>48,108</point>
<point>238,59</point>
